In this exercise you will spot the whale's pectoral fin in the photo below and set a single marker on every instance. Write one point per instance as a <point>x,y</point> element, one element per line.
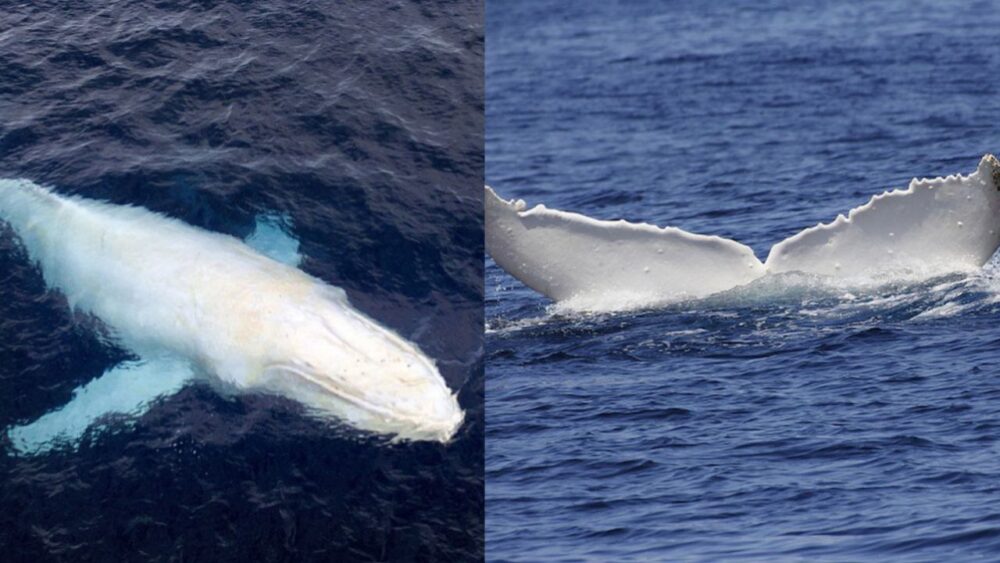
<point>932,227</point>
<point>609,264</point>
<point>127,389</point>
<point>271,237</point>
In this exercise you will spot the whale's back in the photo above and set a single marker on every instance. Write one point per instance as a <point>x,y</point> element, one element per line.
<point>148,276</point>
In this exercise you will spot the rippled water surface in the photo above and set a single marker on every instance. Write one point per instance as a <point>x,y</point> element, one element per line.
<point>791,419</point>
<point>360,122</point>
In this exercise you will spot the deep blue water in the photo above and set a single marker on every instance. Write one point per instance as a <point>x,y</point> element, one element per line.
<point>784,421</point>
<point>362,122</point>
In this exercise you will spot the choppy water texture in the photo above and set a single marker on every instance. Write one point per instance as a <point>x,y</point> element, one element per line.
<point>788,420</point>
<point>361,123</point>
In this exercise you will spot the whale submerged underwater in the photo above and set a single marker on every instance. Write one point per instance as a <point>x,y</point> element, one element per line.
<point>192,304</point>
<point>933,227</point>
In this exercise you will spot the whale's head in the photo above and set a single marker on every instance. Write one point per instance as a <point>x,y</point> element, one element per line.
<point>339,362</point>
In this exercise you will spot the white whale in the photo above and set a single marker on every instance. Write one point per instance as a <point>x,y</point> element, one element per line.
<point>191,303</point>
<point>932,227</point>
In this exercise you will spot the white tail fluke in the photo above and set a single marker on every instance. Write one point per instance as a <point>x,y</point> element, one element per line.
<point>932,227</point>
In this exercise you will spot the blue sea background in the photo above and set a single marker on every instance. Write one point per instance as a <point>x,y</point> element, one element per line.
<point>360,122</point>
<point>786,421</point>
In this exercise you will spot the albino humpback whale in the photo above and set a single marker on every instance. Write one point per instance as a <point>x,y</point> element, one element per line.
<point>191,303</point>
<point>933,227</point>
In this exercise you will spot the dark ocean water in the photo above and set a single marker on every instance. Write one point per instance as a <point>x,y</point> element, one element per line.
<point>786,420</point>
<point>362,122</point>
